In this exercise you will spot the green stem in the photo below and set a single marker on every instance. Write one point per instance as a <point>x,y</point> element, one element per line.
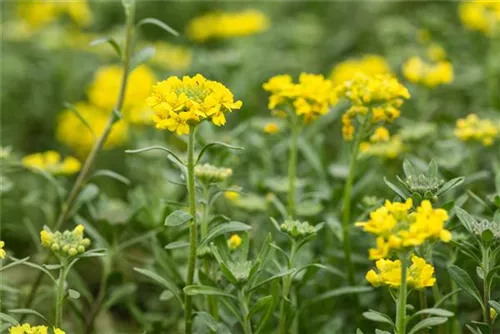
<point>60,296</point>
<point>492,68</point>
<point>211,304</point>
<point>96,305</point>
<point>96,148</point>
<point>192,228</point>
<point>292,170</point>
<point>247,325</point>
<point>287,284</point>
<point>486,288</point>
<point>401,302</point>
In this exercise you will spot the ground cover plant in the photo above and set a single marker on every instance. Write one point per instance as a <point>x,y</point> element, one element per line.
<point>250,167</point>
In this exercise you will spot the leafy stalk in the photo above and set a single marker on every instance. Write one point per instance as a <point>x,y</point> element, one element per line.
<point>401,301</point>
<point>292,170</point>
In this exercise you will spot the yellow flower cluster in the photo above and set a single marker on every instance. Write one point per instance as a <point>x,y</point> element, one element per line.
<point>474,128</point>
<point>381,144</point>
<point>368,64</point>
<point>416,70</point>
<point>420,274</point>
<point>378,97</point>
<point>28,329</point>
<point>397,228</point>
<point>51,162</point>
<point>172,57</point>
<point>222,25</point>
<point>37,14</point>
<point>2,251</point>
<point>74,134</point>
<point>480,15</point>
<point>311,97</point>
<point>104,91</point>
<point>180,103</point>
<point>68,243</point>
<point>234,242</point>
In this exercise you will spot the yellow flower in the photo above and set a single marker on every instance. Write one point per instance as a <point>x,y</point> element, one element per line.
<point>231,195</point>
<point>28,329</point>
<point>368,64</point>
<point>51,162</point>
<point>271,128</point>
<point>420,274</point>
<point>378,97</point>
<point>104,90</point>
<point>430,75</point>
<point>480,15</point>
<point>2,251</point>
<point>180,103</point>
<point>381,134</point>
<point>220,25</point>
<point>37,14</point>
<point>74,134</point>
<point>234,241</point>
<point>311,97</point>
<point>172,57</point>
<point>473,128</point>
<point>69,243</point>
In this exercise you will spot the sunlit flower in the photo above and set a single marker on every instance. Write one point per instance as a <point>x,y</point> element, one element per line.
<point>429,74</point>
<point>368,64</point>
<point>480,15</point>
<point>74,134</point>
<point>2,251</point>
<point>271,128</point>
<point>181,103</point>
<point>172,57</point>
<point>28,329</point>
<point>420,274</point>
<point>310,98</point>
<point>472,128</point>
<point>68,243</point>
<point>234,241</point>
<point>52,162</point>
<point>221,25</point>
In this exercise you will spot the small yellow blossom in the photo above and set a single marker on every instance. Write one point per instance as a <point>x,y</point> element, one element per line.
<point>420,274</point>
<point>74,134</point>
<point>381,134</point>
<point>234,241</point>
<point>172,57</point>
<point>368,64</point>
<point>310,98</point>
<point>28,329</point>
<point>2,251</point>
<point>223,25</point>
<point>271,128</point>
<point>181,103</point>
<point>428,74</point>
<point>69,243</point>
<point>231,195</point>
<point>51,162</point>
<point>472,128</point>
<point>480,15</point>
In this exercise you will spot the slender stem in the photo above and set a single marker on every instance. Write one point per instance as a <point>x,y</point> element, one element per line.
<point>292,170</point>
<point>211,305</point>
<point>192,228</point>
<point>491,67</point>
<point>401,302</point>
<point>287,284</point>
<point>96,305</point>
<point>247,325</point>
<point>486,288</point>
<point>87,166</point>
<point>60,296</point>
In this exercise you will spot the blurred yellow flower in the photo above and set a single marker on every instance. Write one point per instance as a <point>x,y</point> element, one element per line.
<point>172,57</point>
<point>377,97</point>
<point>28,329</point>
<point>52,162</point>
<point>74,134</point>
<point>480,15</point>
<point>429,74</point>
<point>390,148</point>
<point>180,103</point>
<point>231,195</point>
<point>368,64</point>
<point>222,25</point>
<point>2,251</point>
<point>420,274</point>
<point>271,128</point>
<point>473,128</point>
<point>310,98</point>
<point>234,241</point>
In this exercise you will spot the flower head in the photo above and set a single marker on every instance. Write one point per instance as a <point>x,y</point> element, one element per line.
<point>180,103</point>
<point>223,25</point>
<point>420,274</point>
<point>368,64</point>
<point>28,329</point>
<point>297,229</point>
<point>271,128</point>
<point>51,162</point>
<point>311,97</point>
<point>68,243</point>
<point>480,15</point>
<point>209,173</point>
<point>431,75</point>
<point>472,128</point>
<point>234,241</point>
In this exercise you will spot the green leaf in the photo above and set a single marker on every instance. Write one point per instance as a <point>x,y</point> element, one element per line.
<point>272,278</point>
<point>495,305</point>
<point>111,41</point>
<point>15,263</point>
<point>433,311</point>
<point>113,175</point>
<point>222,229</point>
<point>193,290</point>
<point>332,270</point>
<point>156,147</point>
<point>88,193</point>
<point>9,319</point>
<point>120,293</point>
<point>216,143</point>
<point>378,317</point>
<point>466,219</point>
<point>82,119</point>
<point>408,169</point>
<point>379,331</point>
<point>73,294</point>
<point>453,183</point>
<point>177,245</point>
<point>311,155</point>
<point>260,304</point>
<point>162,281</point>
<point>464,281</point>
<point>158,23</point>
<point>36,266</point>
<point>345,290</point>
<point>473,330</point>
<point>401,193</point>
<point>432,171</point>
<point>427,323</point>
<point>29,311</point>
<point>177,218</point>
<point>141,57</point>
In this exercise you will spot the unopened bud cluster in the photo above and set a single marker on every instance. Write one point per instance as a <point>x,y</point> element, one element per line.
<point>297,229</point>
<point>209,173</point>
<point>67,243</point>
<point>485,225</point>
<point>423,183</point>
